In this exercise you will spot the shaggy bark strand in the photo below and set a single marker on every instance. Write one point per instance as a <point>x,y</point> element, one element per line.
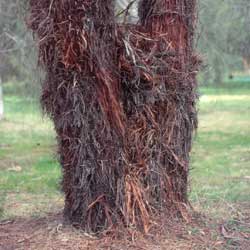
<point>122,98</point>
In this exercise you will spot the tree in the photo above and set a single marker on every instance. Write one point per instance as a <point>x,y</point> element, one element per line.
<point>122,99</point>
<point>214,25</point>
<point>224,37</point>
<point>17,50</point>
<point>10,44</point>
<point>239,34</point>
<point>1,100</point>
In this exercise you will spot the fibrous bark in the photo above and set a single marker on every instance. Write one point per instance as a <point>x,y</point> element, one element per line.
<point>122,98</point>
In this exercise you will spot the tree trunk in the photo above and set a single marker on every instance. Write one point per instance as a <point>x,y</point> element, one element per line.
<point>1,100</point>
<point>218,76</point>
<point>246,64</point>
<point>122,99</point>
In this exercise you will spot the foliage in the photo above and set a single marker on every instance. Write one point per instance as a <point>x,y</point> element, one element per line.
<point>16,47</point>
<point>224,37</point>
<point>239,33</point>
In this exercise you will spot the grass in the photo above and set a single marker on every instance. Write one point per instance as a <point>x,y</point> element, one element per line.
<point>221,152</point>
<point>30,173</point>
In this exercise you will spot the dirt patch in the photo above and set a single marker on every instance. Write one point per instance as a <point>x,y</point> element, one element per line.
<point>49,233</point>
<point>25,205</point>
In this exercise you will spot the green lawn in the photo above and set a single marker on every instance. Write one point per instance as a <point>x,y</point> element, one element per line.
<point>30,174</point>
<point>221,153</point>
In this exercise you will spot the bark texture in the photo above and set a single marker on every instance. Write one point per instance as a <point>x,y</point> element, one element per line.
<point>122,98</point>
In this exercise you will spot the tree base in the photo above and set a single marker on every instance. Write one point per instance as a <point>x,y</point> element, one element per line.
<point>122,99</point>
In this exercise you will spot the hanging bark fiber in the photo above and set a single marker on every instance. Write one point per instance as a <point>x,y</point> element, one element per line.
<point>122,99</point>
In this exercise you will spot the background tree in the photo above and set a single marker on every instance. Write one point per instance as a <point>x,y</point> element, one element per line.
<point>11,44</point>
<point>213,18</point>
<point>224,37</point>
<point>238,39</point>
<point>17,49</point>
<point>1,100</point>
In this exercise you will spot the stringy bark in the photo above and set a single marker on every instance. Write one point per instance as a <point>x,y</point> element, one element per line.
<point>122,98</point>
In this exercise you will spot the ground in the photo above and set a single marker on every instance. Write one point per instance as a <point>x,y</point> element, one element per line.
<point>202,233</point>
<point>31,202</point>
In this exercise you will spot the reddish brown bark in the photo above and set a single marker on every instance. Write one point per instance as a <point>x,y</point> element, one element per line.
<point>122,99</point>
